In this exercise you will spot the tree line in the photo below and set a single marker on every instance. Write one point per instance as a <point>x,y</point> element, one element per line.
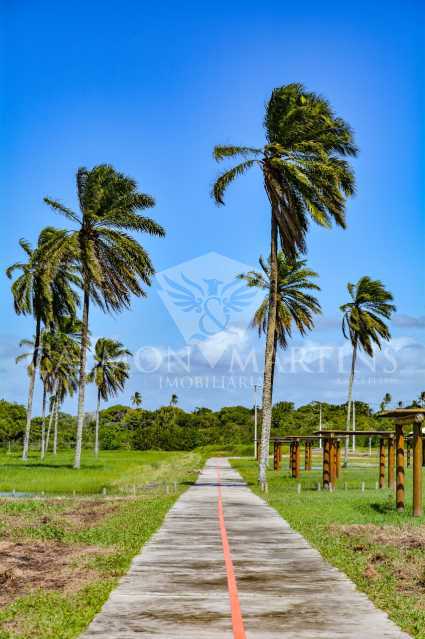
<point>172,428</point>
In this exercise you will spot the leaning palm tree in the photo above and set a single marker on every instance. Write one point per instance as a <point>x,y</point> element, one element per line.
<point>294,305</point>
<point>422,398</point>
<point>109,373</point>
<point>44,290</point>
<point>174,400</point>
<point>363,324</point>
<point>305,177</point>
<point>112,263</point>
<point>136,399</point>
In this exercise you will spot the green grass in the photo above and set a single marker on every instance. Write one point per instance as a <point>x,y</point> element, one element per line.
<point>115,538</point>
<point>392,574</point>
<point>117,471</point>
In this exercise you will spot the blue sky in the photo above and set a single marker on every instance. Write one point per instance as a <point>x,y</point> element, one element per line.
<point>150,88</point>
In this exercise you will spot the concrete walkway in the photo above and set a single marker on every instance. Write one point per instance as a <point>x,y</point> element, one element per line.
<point>180,586</point>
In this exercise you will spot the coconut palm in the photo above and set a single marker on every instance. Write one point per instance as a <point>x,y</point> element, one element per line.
<point>109,373</point>
<point>305,177</point>
<point>112,263</point>
<point>363,324</point>
<point>385,401</point>
<point>43,289</point>
<point>422,398</point>
<point>174,400</point>
<point>29,355</point>
<point>136,399</point>
<point>61,348</point>
<point>294,306</point>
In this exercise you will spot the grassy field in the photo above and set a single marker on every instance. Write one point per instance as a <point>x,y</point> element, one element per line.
<point>359,532</point>
<point>61,556</point>
<point>116,471</point>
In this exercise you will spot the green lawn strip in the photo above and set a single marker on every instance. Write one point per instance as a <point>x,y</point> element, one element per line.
<point>115,471</point>
<point>47,614</point>
<point>392,575</point>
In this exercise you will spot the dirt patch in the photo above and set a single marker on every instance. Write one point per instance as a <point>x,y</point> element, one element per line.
<point>50,565</point>
<point>88,513</point>
<point>404,537</point>
<point>396,552</point>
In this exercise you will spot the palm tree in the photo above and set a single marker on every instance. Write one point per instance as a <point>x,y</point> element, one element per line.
<point>109,373</point>
<point>422,398</point>
<point>174,400</point>
<point>63,353</point>
<point>363,325</point>
<point>44,290</point>
<point>113,264</point>
<point>136,399</point>
<point>41,360</point>
<point>293,305</point>
<point>305,177</point>
<point>385,401</point>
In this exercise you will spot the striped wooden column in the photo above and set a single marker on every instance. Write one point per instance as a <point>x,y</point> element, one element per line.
<point>391,463</point>
<point>399,443</point>
<point>381,462</point>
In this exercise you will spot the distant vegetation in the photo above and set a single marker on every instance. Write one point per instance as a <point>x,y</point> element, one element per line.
<point>172,428</point>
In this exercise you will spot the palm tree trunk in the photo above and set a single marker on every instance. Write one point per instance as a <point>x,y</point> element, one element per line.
<point>55,432</point>
<point>96,435</point>
<point>82,378</point>
<point>350,399</point>
<point>269,358</point>
<point>35,362</point>
<point>43,421</point>
<point>52,412</point>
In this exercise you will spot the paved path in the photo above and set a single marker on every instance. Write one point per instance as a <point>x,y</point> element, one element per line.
<point>225,565</point>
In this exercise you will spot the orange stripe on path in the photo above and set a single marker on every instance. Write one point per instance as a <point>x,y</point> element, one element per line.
<point>237,620</point>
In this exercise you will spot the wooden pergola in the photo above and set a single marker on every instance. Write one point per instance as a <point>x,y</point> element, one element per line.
<point>294,442</point>
<point>332,438</point>
<point>408,417</point>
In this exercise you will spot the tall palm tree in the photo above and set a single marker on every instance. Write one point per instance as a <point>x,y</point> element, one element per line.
<point>109,373</point>
<point>44,290</point>
<point>422,398</point>
<point>294,306</point>
<point>363,324</point>
<point>136,399</point>
<point>174,400</point>
<point>112,263</point>
<point>305,177</point>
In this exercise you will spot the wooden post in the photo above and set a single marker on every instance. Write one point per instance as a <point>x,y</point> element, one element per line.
<point>381,462</point>
<point>297,460</point>
<point>310,456</point>
<point>338,458</point>
<point>258,450</point>
<point>423,451</point>
<point>280,453</point>
<point>400,468</point>
<point>417,470</point>
<point>391,460</point>
<point>326,463</point>
<point>306,449</point>
<point>333,462</point>
<point>408,452</point>
<point>291,454</point>
<point>275,457</point>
